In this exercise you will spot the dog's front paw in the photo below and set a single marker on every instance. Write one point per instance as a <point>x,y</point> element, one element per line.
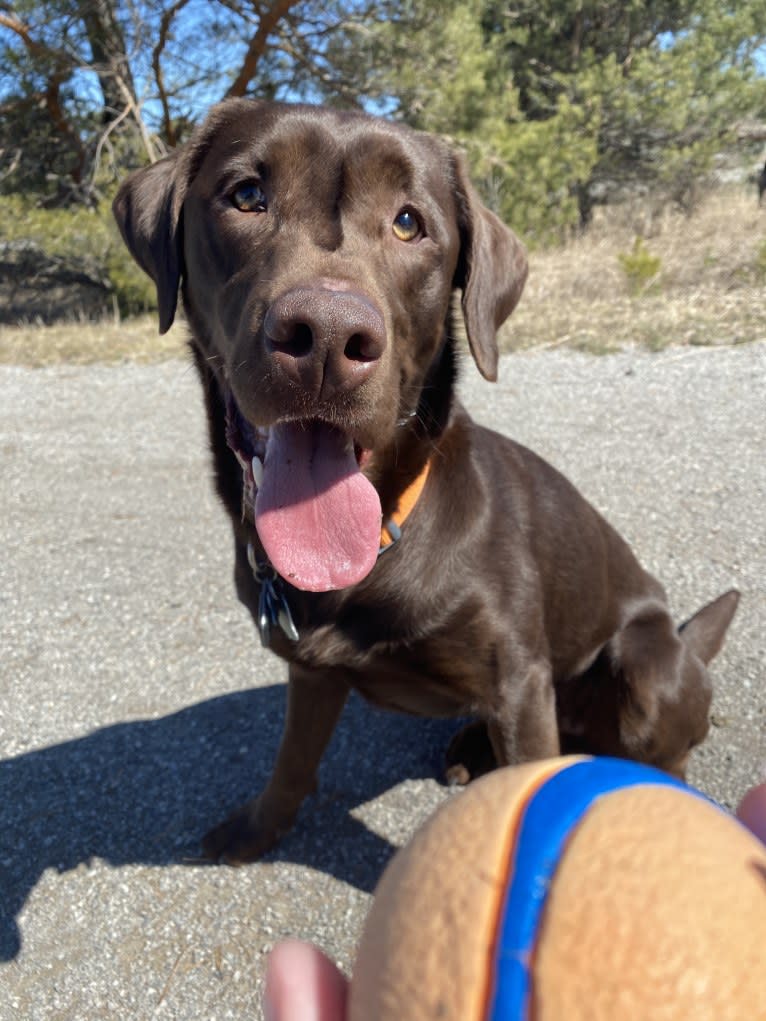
<point>245,836</point>
<point>469,755</point>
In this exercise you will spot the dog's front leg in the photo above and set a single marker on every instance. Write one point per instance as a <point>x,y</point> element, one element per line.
<point>314,704</point>
<point>523,726</point>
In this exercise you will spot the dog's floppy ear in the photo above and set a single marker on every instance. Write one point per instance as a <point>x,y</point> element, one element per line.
<point>148,212</point>
<point>491,272</point>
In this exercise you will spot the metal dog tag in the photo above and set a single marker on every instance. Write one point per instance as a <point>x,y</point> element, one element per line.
<point>265,621</point>
<point>273,608</point>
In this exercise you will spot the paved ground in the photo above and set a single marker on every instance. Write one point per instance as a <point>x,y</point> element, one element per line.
<point>136,705</point>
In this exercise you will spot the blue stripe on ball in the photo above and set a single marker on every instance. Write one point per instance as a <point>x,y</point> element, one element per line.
<point>548,819</point>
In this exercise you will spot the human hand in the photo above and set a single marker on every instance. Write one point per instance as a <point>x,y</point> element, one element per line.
<point>752,811</point>
<point>302,984</point>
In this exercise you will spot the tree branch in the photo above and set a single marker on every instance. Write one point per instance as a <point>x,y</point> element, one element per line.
<point>63,66</point>
<point>15,160</point>
<point>35,48</point>
<point>134,108</point>
<point>168,130</point>
<point>266,25</point>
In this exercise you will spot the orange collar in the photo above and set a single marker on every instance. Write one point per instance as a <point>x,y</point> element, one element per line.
<point>391,530</point>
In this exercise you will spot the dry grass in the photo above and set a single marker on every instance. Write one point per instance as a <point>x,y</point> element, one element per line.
<point>709,291</point>
<point>82,343</point>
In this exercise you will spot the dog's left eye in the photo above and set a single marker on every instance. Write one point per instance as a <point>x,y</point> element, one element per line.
<point>249,198</point>
<point>406,225</point>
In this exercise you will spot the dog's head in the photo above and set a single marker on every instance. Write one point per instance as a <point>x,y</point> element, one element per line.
<point>317,253</point>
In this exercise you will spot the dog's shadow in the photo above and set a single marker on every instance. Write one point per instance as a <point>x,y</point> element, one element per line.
<point>144,792</point>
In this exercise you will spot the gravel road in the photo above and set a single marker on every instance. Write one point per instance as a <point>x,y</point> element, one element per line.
<point>136,705</point>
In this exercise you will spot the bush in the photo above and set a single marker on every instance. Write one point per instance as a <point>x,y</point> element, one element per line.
<point>81,240</point>
<point>640,267</point>
<point>760,261</point>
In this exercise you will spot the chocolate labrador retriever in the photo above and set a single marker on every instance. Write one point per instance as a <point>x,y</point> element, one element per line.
<point>384,541</point>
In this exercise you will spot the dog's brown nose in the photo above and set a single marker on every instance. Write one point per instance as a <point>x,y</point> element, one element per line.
<point>326,340</point>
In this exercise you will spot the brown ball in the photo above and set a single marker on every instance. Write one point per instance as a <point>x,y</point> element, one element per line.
<point>564,890</point>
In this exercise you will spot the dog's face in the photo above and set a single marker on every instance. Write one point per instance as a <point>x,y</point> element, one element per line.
<point>317,254</point>
<point>329,247</point>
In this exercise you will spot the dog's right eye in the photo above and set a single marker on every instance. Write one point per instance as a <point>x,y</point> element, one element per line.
<point>406,225</point>
<point>249,198</point>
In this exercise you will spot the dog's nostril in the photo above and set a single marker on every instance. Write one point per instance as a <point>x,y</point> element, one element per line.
<point>359,348</point>
<point>303,339</point>
<point>297,340</point>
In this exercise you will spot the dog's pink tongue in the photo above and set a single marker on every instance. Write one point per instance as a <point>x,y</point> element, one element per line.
<point>317,516</point>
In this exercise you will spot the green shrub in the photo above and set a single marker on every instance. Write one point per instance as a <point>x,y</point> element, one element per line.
<point>640,267</point>
<point>760,261</point>
<point>84,238</point>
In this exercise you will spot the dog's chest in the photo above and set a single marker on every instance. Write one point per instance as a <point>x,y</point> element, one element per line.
<point>439,674</point>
